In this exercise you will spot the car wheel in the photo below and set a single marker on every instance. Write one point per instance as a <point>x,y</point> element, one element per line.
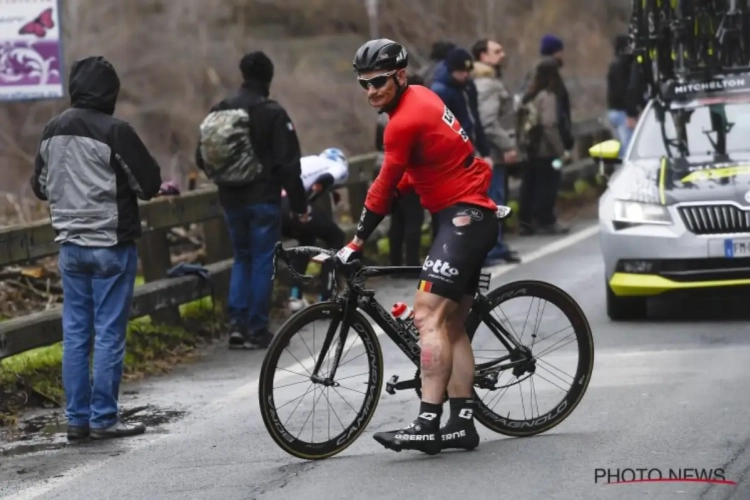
<point>625,308</point>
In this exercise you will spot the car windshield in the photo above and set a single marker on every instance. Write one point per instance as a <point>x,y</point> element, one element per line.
<point>710,126</point>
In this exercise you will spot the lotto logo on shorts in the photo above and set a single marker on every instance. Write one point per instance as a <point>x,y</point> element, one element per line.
<point>425,286</point>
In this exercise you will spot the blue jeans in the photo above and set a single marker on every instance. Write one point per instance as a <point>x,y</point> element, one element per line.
<point>254,230</point>
<point>98,287</point>
<point>497,194</point>
<point>618,120</point>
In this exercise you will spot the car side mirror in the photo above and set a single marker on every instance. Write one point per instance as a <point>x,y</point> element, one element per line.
<point>607,153</point>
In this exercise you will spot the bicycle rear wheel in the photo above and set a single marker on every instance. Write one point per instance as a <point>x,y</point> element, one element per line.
<point>360,370</point>
<point>530,419</point>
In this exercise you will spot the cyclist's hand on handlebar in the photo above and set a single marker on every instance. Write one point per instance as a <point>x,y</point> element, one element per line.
<point>349,253</point>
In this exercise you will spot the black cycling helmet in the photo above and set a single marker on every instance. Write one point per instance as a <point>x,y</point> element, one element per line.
<point>380,54</point>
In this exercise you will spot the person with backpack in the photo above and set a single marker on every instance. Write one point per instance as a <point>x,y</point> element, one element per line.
<point>542,137</point>
<point>249,148</point>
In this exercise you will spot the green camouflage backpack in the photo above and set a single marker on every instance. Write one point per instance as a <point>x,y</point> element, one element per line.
<point>228,154</point>
<point>528,128</point>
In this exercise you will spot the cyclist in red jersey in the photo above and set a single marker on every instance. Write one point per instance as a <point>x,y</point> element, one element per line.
<point>427,150</point>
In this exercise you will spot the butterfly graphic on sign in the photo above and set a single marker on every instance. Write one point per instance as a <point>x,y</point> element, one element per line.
<point>39,26</point>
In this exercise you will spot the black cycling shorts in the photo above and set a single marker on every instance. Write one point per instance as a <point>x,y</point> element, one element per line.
<point>466,234</point>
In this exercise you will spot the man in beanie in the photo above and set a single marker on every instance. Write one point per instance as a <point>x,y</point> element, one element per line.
<point>440,50</point>
<point>550,46</point>
<point>455,87</point>
<point>253,209</point>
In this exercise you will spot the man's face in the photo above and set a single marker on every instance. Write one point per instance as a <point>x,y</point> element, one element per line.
<point>461,75</point>
<point>380,87</point>
<point>495,54</point>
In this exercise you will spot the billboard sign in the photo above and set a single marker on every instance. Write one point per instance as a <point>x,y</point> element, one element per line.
<point>31,55</point>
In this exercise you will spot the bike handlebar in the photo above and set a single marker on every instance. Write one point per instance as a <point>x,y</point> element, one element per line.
<point>286,254</point>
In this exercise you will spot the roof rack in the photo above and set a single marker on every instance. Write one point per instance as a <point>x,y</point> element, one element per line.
<point>697,84</point>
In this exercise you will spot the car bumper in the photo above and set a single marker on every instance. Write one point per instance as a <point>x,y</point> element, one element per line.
<point>650,260</point>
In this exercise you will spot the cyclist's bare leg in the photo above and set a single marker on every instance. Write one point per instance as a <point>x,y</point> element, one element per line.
<point>461,382</point>
<point>432,315</point>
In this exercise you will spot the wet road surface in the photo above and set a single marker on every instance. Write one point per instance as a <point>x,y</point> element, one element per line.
<point>669,393</point>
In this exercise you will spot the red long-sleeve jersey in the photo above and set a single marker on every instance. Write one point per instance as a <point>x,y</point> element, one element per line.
<point>426,149</point>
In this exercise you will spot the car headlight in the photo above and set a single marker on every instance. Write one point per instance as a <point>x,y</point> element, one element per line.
<point>633,212</point>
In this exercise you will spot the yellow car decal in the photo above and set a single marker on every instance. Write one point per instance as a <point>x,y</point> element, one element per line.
<point>645,285</point>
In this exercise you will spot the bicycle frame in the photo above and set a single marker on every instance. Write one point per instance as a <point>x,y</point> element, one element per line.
<point>357,297</point>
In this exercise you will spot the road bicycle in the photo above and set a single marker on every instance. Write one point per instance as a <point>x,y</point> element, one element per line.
<point>347,321</point>
<point>680,39</point>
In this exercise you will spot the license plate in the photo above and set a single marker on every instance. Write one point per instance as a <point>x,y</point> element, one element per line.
<point>736,248</point>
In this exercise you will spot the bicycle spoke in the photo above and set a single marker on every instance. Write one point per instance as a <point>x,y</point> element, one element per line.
<point>297,406</point>
<point>550,382</point>
<point>572,379</point>
<point>350,389</point>
<point>307,379</point>
<point>293,373</point>
<point>553,350</point>
<point>553,334</point>
<point>308,415</point>
<point>328,400</point>
<point>344,399</point>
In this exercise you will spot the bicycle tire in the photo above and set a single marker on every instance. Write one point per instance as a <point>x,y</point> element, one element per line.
<point>543,423</point>
<point>297,447</point>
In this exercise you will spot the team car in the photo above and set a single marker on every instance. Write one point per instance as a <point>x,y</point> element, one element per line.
<point>675,216</point>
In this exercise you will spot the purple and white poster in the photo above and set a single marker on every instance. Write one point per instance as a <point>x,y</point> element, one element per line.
<point>30,50</point>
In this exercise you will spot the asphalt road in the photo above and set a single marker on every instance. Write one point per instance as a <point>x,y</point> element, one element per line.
<point>667,393</point>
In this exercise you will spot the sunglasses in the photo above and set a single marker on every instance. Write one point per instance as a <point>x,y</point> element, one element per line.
<point>376,81</point>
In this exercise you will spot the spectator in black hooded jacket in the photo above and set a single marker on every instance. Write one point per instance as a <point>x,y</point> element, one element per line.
<point>253,210</point>
<point>92,168</point>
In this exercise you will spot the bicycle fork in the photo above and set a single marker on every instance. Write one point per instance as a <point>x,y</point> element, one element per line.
<point>350,305</point>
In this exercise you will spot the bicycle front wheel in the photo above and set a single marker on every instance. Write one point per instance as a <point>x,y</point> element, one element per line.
<point>547,372</point>
<point>305,416</point>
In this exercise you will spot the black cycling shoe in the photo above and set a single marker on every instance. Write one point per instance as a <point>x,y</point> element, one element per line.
<point>460,436</point>
<point>415,437</point>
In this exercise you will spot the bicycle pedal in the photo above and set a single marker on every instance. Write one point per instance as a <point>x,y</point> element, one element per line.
<point>390,386</point>
<point>406,384</point>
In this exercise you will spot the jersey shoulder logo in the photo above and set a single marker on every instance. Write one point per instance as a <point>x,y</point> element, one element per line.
<point>451,121</point>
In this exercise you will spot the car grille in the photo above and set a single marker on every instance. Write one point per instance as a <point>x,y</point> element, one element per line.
<point>715,219</point>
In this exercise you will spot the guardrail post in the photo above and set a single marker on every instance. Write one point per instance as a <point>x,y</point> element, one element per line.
<point>153,252</point>
<point>218,248</point>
